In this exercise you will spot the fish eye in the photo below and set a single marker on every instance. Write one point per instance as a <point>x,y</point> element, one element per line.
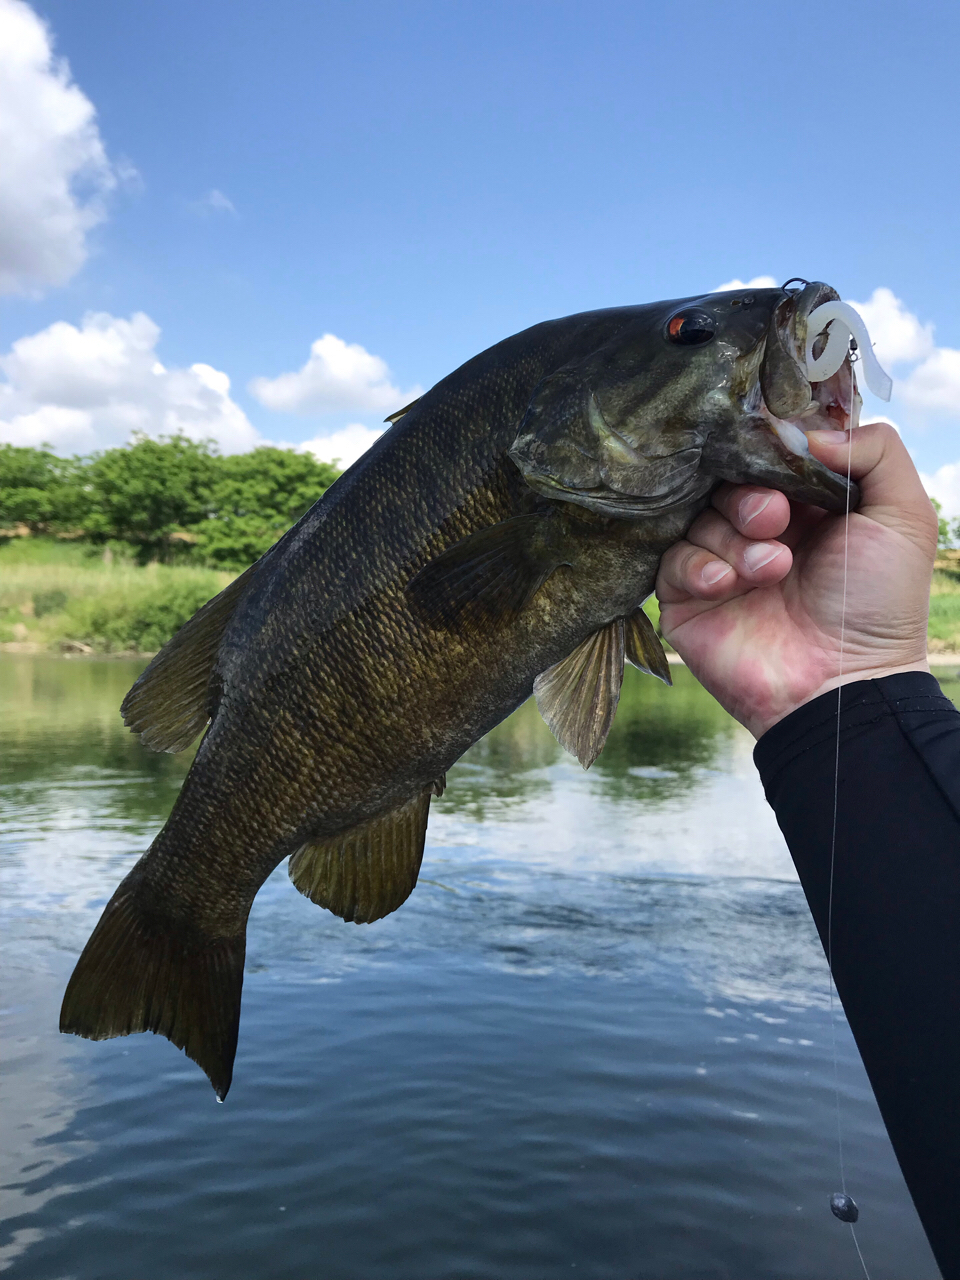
<point>691,328</point>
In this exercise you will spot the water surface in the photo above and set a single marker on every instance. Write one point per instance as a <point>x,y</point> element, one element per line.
<point>595,1041</point>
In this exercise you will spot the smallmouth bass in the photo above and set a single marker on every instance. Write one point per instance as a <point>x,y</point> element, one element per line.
<point>498,540</point>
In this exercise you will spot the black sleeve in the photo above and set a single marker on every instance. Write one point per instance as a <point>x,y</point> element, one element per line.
<point>896,906</point>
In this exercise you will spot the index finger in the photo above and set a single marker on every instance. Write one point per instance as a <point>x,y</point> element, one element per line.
<point>891,492</point>
<point>754,511</point>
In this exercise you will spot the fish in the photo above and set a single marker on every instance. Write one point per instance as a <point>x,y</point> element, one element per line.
<point>497,541</point>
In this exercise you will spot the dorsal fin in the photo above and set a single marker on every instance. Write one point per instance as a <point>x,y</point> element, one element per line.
<point>642,646</point>
<point>368,871</point>
<point>168,704</point>
<point>578,697</point>
<point>395,417</point>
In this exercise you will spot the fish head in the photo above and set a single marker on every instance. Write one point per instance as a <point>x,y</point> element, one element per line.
<point>689,393</point>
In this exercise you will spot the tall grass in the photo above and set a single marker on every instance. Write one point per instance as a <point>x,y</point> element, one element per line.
<point>50,594</point>
<point>944,627</point>
<point>54,592</point>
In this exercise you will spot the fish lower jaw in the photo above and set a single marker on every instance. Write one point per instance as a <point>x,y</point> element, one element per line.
<point>828,414</point>
<point>834,406</point>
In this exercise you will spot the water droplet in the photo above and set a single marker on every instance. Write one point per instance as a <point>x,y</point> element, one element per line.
<point>844,1207</point>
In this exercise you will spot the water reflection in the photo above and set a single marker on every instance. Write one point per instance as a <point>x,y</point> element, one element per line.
<point>594,1040</point>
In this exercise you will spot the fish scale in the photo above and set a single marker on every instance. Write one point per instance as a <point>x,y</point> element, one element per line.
<point>408,612</point>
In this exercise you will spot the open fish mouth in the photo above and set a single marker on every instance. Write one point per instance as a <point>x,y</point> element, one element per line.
<point>812,333</point>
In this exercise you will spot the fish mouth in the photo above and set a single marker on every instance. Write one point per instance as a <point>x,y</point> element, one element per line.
<point>788,404</point>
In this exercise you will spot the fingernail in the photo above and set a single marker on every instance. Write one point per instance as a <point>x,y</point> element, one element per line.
<point>829,437</point>
<point>752,506</point>
<point>760,553</point>
<point>714,571</point>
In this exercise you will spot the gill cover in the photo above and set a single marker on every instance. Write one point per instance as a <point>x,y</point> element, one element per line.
<point>568,447</point>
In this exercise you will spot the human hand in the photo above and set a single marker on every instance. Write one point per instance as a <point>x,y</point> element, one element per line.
<point>753,598</point>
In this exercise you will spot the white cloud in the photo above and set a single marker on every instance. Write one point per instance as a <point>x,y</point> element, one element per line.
<point>758,282</point>
<point>899,337</point>
<point>944,485</point>
<point>934,384</point>
<point>88,388</point>
<point>896,333</point>
<point>56,174</point>
<point>343,447</point>
<point>213,202</point>
<point>338,376</point>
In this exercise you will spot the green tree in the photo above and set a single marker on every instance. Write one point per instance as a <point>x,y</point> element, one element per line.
<point>256,498</point>
<point>149,490</point>
<point>40,490</point>
<point>947,532</point>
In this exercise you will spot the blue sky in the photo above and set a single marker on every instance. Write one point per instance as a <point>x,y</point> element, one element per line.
<point>418,180</point>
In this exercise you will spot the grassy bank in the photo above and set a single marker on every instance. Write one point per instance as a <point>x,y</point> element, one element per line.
<point>56,596</point>
<point>61,596</point>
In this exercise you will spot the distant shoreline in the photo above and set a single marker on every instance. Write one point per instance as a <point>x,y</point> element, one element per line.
<point>76,650</point>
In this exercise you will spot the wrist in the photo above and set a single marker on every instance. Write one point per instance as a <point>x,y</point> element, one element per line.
<point>761,722</point>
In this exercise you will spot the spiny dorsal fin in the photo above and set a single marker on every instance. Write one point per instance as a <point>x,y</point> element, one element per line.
<point>365,873</point>
<point>490,575</point>
<point>642,646</point>
<point>578,697</point>
<point>395,417</point>
<point>168,705</point>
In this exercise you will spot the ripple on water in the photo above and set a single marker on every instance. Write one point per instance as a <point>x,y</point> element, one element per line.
<point>594,1040</point>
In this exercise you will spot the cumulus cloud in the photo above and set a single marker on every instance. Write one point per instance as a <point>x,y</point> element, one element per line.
<point>899,338</point>
<point>80,389</point>
<point>944,485</point>
<point>338,377</point>
<point>896,333</point>
<point>758,282</point>
<point>935,384</point>
<point>56,175</point>
<point>343,447</point>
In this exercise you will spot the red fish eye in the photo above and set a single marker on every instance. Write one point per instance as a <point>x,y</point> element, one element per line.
<point>691,328</point>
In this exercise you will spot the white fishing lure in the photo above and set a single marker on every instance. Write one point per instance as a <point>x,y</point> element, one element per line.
<point>844,323</point>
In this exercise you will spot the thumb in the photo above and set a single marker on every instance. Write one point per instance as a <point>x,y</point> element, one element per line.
<point>890,489</point>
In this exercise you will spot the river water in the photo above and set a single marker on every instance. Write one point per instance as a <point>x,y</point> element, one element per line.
<point>594,1042</point>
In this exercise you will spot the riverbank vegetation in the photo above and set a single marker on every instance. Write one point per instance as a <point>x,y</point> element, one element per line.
<point>169,501</point>
<point>113,553</point>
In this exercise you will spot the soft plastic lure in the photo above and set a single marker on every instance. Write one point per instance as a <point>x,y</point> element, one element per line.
<point>844,323</point>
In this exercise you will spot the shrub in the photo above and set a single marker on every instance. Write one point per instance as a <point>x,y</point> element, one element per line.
<point>48,602</point>
<point>141,618</point>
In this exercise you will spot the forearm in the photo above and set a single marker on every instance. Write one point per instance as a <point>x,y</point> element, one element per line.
<point>895,935</point>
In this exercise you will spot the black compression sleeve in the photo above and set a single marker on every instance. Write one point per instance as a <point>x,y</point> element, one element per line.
<point>896,906</point>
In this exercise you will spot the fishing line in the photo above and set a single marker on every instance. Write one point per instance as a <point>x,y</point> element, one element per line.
<point>842,1205</point>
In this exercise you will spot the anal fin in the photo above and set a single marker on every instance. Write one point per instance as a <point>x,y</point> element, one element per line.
<point>578,697</point>
<point>368,871</point>
<point>642,646</point>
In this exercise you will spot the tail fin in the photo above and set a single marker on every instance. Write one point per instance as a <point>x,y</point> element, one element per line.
<point>141,971</point>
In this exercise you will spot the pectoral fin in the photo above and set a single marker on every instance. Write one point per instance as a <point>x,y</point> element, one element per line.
<point>578,697</point>
<point>168,704</point>
<point>365,873</point>
<point>642,646</point>
<point>490,575</point>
